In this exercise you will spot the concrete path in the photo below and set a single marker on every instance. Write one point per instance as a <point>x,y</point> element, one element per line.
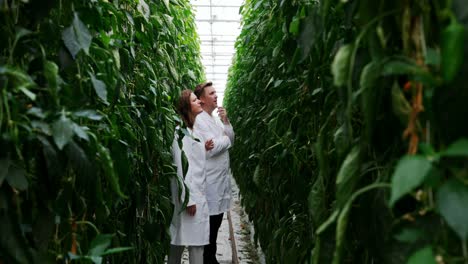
<point>246,253</point>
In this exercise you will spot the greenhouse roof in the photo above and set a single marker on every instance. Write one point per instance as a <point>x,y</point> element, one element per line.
<point>218,23</point>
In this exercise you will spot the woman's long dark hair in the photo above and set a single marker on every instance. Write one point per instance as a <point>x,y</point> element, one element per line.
<point>184,108</point>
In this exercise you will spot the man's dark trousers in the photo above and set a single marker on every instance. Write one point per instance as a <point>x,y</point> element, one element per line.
<point>209,254</point>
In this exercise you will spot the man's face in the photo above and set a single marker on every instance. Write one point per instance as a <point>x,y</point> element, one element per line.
<point>209,99</point>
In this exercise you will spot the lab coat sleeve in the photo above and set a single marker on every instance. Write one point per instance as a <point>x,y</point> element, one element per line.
<point>221,143</point>
<point>196,161</point>
<point>191,201</point>
<point>229,131</point>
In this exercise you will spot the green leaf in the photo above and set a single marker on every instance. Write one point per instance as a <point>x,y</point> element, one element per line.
<point>99,244</point>
<point>404,66</point>
<point>452,48</point>
<point>52,76</point>
<point>452,199</point>
<point>90,114</point>
<point>340,140</point>
<point>42,127</point>
<point>23,78</point>
<point>343,217</point>
<point>169,20</point>
<point>310,29</point>
<point>77,37</point>
<point>166,3</point>
<point>100,88</point>
<point>295,59</point>
<point>117,250</point>
<point>400,106</point>
<point>370,98</point>
<point>21,32</point>
<point>144,9</point>
<point>109,170</point>
<point>191,74</point>
<point>116,55</point>
<point>422,256</point>
<point>256,176</point>
<point>277,83</point>
<point>4,165</point>
<point>16,178</point>
<point>276,51</point>
<point>348,176</point>
<point>433,178</point>
<point>369,76</point>
<point>458,148</point>
<point>80,131</point>
<point>409,235</point>
<point>294,26</point>
<point>400,66</point>
<point>28,93</point>
<point>426,149</point>
<point>37,112</point>
<point>95,259</point>
<point>62,131</point>
<point>340,65</point>
<point>184,161</point>
<point>316,201</point>
<point>172,69</point>
<point>73,256</point>
<point>409,174</point>
<point>432,57</point>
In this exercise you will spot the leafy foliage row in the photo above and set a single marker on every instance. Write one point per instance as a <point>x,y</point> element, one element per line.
<point>350,124</point>
<point>86,123</point>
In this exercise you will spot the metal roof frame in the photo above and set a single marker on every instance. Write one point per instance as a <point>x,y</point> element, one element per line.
<point>209,41</point>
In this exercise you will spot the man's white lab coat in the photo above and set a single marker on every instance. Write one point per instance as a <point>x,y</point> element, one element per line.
<point>218,192</point>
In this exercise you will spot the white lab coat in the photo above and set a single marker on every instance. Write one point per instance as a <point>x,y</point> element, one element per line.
<point>189,230</point>
<point>218,174</point>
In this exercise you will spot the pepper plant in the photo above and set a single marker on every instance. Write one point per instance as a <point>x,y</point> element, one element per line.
<point>351,141</point>
<point>86,125</point>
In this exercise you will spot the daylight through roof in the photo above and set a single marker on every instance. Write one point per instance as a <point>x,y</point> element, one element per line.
<point>218,23</point>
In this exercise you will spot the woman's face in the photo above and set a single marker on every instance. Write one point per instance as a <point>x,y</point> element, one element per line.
<point>195,106</point>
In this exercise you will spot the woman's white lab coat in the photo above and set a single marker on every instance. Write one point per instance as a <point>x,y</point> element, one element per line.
<point>218,173</point>
<point>189,230</point>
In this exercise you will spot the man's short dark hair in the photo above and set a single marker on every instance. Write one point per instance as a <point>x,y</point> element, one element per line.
<point>201,88</point>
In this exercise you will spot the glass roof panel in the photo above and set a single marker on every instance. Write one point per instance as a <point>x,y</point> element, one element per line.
<point>218,25</point>
<point>217,2</point>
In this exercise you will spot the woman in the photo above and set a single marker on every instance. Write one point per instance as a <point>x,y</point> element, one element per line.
<point>189,226</point>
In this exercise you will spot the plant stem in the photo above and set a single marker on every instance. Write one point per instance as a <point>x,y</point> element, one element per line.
<point>79,74</point>
<point>465,251</point>
<point>88,223</point>
<point>7,109</point>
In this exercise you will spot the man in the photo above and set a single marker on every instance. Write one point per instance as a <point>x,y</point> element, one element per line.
<point>218,180</point>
